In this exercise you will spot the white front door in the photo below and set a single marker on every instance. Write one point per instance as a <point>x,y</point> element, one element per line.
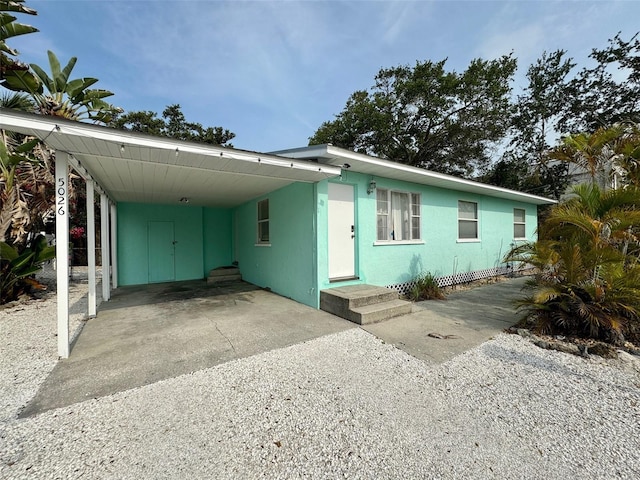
<point>341,230</point>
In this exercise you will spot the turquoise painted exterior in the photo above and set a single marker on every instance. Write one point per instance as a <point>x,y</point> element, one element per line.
<point>202,236</point>
<point>439,251</point>
<point>287,264</point>
<point>295,262</point>
<point>217,238</point>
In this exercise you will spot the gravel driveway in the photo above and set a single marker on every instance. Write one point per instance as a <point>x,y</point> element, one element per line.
<point>342,406</point>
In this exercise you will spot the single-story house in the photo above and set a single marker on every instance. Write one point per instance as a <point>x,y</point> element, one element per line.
<point>295,221</point>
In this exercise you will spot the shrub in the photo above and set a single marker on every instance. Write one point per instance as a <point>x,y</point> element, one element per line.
<point>17,270</point>
<point>588,271</point>
<point>426,288</point>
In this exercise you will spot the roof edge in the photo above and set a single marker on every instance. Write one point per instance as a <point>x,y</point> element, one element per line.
<point>24,122</point>
<point>330,152</point>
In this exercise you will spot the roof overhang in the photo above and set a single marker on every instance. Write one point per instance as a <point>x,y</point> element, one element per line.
<point>135,167</point>
<point>376,167</point>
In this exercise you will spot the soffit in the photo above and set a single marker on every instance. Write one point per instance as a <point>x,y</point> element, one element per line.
<point>132,167</point>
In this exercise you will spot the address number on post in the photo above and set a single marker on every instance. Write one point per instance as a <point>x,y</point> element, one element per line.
<point>62,195</point>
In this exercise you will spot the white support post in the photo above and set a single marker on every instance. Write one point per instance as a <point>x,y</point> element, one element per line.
<point>91,247</point>
<point>104,246</point>
<point>114,246</point>
<point>62,253</point>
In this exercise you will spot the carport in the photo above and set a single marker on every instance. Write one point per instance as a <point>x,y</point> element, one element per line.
<point>149,333</point>
<point>132,167</point>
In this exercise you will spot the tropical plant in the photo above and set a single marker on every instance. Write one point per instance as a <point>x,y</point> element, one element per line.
<point>17,270</point>
<point>58,96</point>
<point>14,74</point>
<point>425,288</point>
<point>15,215</point>
<point>610,155</point>
<point>626,162</point>
<point>591,152</point>
<point>588,266</point>
<point>26,180</point>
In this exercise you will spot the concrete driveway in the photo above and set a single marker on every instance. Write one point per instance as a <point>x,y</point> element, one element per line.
<point>150,333</point>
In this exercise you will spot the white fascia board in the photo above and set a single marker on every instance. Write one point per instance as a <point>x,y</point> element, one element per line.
<point>490,189</point>
<point>341,156</point>
<point>24,123</point>
<point>28,125</point>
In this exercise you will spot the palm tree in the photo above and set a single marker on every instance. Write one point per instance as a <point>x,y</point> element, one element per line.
<point>15,75</point>
<point>72,99</point>
<point>14,211</point>
<point>606,155</point>
<point>626,163</point>
<point>587,259</point>
<point>591,152</point>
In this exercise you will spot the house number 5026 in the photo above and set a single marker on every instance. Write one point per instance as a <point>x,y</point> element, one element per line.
<point>62,195</point>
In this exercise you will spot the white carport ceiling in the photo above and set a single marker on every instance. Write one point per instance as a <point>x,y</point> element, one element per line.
<point>133,167</point>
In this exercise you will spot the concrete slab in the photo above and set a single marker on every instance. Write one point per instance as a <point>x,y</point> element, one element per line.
<point>149,333</point>
<point>468,317</point>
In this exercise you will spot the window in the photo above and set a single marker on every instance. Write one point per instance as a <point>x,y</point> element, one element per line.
<point>467,220</point>
<point>263,221</point>
<point>519,223</point>
<point>397,215</point>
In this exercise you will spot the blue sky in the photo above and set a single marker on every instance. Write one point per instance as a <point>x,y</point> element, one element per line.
<point>273,71</point>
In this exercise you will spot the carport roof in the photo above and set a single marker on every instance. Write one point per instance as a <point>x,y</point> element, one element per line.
<point>135,167</point>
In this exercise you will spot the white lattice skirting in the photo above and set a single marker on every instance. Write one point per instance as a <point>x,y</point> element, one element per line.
<point>448,280</point>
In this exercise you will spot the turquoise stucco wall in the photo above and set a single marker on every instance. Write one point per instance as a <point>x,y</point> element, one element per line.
<point>287,266</point>
<point>439,252</point>
<point>202,235</point>
<point>217,238</point>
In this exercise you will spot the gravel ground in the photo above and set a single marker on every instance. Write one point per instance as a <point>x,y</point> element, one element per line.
<point>342,406</point>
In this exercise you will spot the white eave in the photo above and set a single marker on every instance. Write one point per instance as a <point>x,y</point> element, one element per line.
<point>376,167</point>
<point>135,167</point>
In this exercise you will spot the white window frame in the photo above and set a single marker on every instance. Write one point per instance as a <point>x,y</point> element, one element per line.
<point>517,223</point>
<point>261,222</point>
<point>469,220</point>
<point>414,200</point>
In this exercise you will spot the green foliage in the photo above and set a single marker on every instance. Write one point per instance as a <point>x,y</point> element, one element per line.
<point>18,269</point>
<point>14,74</point>
<point>16,162</point>
<point>546,179</point>
<point>525,164</point>
<point>587,259</point>
<point>428,117</point>
<point>426,288</point>
<point>172,124</point>
<point>597,97</point>
<point>57,95</point>
<point>604,154</point>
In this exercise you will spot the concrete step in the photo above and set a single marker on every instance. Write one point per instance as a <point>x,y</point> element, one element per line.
<point>363,304</point>
<point>224,271</point>
<point>379,312</point>
<point>224,278</point>
<point>354,296</point>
